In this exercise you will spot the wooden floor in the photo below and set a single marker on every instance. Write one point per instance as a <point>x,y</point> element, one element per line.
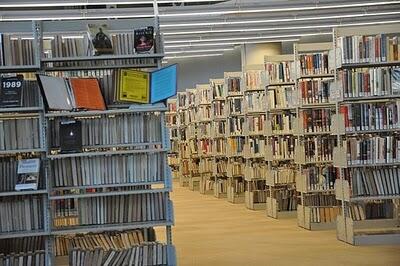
<point>210,231</point>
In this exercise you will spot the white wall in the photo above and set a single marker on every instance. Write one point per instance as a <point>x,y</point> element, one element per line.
<point>192,71</point>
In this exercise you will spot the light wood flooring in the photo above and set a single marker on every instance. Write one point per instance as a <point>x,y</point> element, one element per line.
<point>210,231</point>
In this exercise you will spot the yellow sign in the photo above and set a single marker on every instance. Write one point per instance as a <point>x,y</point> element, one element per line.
<point>134,86</point>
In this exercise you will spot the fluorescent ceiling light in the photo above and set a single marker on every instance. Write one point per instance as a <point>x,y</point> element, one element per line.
<point>239,22</point>
<point>91,3</point>
<point>227,43</point>
<point>192,56</point>
<point>200,51</point>
<point>247,38</point>
<point>288,9</point>
<point>280,28</point>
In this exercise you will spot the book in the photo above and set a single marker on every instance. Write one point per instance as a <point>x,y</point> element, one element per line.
<point>28,174</point>
<point>100,39</point>
<point>134,86</point>
<point>144,40</point>
<point>11,91</point>
<point>369,49</point>
<point>71,93</point>
<point>70,136</point>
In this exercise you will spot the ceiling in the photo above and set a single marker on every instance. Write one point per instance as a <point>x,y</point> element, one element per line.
<point>206,27</point>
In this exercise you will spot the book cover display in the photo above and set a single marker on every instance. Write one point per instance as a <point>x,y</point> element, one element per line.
<point>144,40</point>
<point>28,174</point>
<point>70,136</point>
<point>11,91</point>
<point>100,39</point>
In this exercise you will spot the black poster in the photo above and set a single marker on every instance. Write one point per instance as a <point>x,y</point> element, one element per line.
<point>11,91</point>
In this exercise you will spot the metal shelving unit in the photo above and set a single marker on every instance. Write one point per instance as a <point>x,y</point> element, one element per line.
<point>352,229</point>
<point>40,30</point>
<point>323,215</point>
<point>280,172</point>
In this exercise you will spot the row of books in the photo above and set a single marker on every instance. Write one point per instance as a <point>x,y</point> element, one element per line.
<point>16,51</point>
<point>369,49</point>
<point>370,82</point>
<point>374,182</point>
<point>173,133</point>
<point>206,165</point>
<point>220,167</point>
<point>280,72</point>
<point>282,97</point>
<point>219,146</point>
<point>20,174</point>
<point>256,145</point>
<point>235,169</point>
<point>107,130</point>
<point>371,116</point>
<point>316,120</point>
<point>171,106</point>
<point>219,129</point>
<point>235,105</point>
<point>21,213</point>
<point>256,185</point>
<point>236,145</point>
<point>145,254</point>
<point>282,147</point>
<point>314,91</point>
<point>105,241</point>
<point>204,146</point>
<point>38,257</point>
<point>203,130</point>
<point>255,79</point>
<point>203,113</point>
<point>282,175</point>
<point>218,108</point>
<point>203,96</point>
<point>258,196</point>
<point>282,123</point>
<point>234,86</point>
<point>314,64</point>
<point>171,119</point>
<point>320,200</point>
<point>237,185</point>
<point>372,210</point>
<point>320,177</point>
<point>207,185</point>
<point>319,149</point>
<point>103,170</point>
<point>373,150</point>
<point>115,209</point>
<point>20,133</point>
<point>286,199</point>
<point>255,170</point>
<point>22,245</point>
<point>236,125</point>
<point>255,102</point>
<point>256,124</point>
<point>324,214</point>
<point>217,90</point>
<point>15,91</point>
<point>221,185</point>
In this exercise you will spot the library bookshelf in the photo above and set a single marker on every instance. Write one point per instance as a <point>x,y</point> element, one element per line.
<point>235,139</point>
<point>171,118</point>
<point>218,137</point>
<point>315,79</point>
<point>184,152</point>
<point>281,105</point>
<point>204,141</point>
<point>78,192</point>
<point>367,154</point>
<point>254,148</point>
